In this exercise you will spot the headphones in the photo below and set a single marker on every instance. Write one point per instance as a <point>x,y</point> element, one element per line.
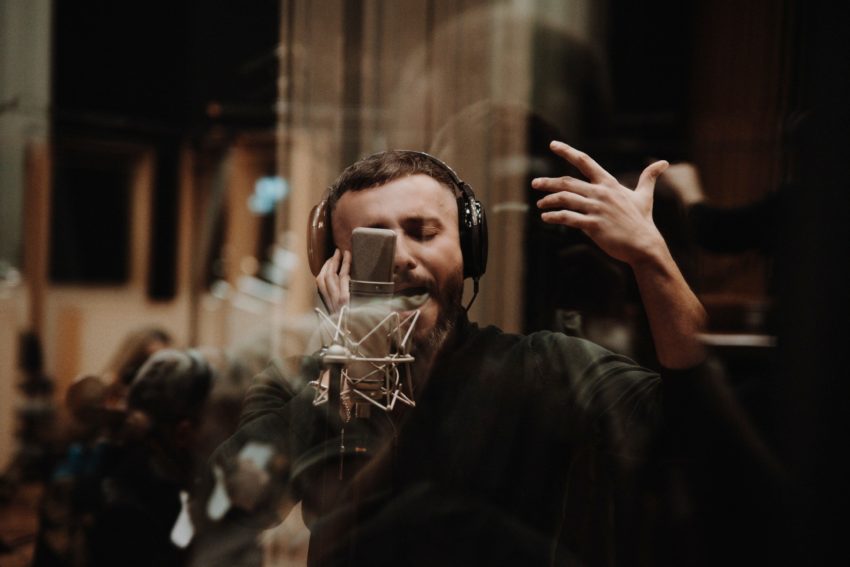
<point>470,212</point>
<point>200,366</point>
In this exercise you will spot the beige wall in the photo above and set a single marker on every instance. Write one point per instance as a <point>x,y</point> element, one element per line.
<point>82,326</point>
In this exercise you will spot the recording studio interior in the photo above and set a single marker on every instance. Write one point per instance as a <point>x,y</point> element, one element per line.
<point>379,282</point>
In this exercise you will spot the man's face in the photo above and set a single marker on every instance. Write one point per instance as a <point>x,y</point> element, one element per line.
<point>423,214</point>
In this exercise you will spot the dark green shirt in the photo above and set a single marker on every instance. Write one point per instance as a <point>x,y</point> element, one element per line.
<point>521,450</point>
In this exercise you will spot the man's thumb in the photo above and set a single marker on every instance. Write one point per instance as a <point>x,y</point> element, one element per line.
<point>646,183</point>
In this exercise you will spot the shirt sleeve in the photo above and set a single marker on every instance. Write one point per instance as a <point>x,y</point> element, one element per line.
<point>266,420</point>
<point>602,398</point>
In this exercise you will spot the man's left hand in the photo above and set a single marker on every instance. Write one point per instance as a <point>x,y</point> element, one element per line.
<point>616,218</point>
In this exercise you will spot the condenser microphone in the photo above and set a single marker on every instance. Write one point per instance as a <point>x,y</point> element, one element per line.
<point>372,256</point>
<point>371,291</point>
<point>369,358</point>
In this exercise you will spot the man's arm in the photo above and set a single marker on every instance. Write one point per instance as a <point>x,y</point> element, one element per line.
<point>619,221</point>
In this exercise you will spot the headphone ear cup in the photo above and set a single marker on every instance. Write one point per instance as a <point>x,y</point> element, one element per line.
<point>319,238</point>
<point>473,235</point>
<point>481,238</point>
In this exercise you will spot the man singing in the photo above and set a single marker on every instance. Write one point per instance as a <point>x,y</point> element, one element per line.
<point>520,450</point>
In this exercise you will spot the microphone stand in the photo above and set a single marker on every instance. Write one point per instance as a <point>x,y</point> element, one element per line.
<point>334,358</point>
<point>382,387</point>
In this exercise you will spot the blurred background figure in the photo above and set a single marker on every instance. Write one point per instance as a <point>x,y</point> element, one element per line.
<point>120,504</point>
<point>91,421</point>
<point>134,350</point>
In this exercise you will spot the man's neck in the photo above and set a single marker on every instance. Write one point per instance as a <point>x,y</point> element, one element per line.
<point>440,340</point>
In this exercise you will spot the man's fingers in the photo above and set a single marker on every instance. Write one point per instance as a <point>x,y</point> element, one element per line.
<point>328,281</point>
<point>332,279</point>
<point>568,218</point>
<point>320,282</point>
<point>566,200</point>
<point>345,266</point>
<point>344,278</point>
<point>332,265</point>
<point>646,183</point>
<point>585,164</point>
<point>323,290</point>
<point>556,184</point>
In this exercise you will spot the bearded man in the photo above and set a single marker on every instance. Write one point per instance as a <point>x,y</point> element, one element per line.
<point>520,450</point>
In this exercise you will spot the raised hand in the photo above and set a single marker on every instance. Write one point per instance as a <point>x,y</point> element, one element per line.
<point>617,218</point>
<point>620,221</point>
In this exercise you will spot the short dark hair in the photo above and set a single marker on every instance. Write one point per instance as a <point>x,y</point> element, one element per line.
<point>381,168</point>
<point>170,386</point>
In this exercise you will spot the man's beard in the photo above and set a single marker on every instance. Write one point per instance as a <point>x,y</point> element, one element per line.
<point>431,344</point>
<point>426,349</point>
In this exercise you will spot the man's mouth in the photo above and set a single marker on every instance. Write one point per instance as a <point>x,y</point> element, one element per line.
<point>412,291</point>
<point>411,298</point>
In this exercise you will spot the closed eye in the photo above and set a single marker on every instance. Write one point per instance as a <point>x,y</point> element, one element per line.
<point>422,229</point>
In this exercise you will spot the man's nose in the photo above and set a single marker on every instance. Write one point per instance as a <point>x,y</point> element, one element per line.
<point>404,260</point>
